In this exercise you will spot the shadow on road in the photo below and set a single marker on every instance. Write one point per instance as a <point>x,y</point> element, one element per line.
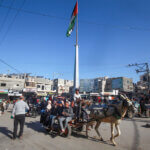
<point>146,125</point>
<point>79,135</point>
<point>36,126</point>
<point>6,132</point>
<point>136,140</point>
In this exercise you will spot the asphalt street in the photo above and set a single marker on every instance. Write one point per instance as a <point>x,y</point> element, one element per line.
<point>134,136</point>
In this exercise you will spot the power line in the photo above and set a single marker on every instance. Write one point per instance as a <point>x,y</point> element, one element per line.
<point>6,16</point>
<point>81,21</point>
<point>1,2</point>
<point>9,66</point>
<point>36,13</point>
<point>10,25</point>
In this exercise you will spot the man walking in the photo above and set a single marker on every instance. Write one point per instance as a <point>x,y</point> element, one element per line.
<point>18,114</point>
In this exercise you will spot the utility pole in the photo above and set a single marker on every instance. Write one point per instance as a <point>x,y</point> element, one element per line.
<point>142,67</point>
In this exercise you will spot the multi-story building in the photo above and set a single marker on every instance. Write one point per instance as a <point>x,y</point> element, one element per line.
<point>8,82</point>
<point>43,86</point>
<point>143,86</point>
<point>67,85</point>
<point>122,84</point>
<point>26,83</point>
<point>86,85</point>
<point>62,86</point>
<point>30,86</point>
<point>108,86</point>
<point>95,85</point>
<point>103,84</point>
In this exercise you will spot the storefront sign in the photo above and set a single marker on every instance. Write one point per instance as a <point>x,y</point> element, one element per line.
<point>30,90</point>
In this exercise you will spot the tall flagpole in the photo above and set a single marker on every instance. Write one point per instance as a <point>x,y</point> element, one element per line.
<point>76,67</point>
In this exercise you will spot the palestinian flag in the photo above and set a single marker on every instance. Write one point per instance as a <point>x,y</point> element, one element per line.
<point>73,19</point>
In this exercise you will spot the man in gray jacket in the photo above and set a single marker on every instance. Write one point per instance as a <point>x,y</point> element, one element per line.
<point>18,114</point>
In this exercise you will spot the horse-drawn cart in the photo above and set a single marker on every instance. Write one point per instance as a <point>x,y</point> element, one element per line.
<point>73,126</point>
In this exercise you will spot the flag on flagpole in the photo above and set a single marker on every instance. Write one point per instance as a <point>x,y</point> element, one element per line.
<point>72,20</point>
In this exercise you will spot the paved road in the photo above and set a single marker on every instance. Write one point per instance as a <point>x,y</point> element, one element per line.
<point>133,137</point>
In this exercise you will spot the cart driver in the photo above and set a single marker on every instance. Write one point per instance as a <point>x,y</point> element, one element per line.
<point>77,105</point>
<point>77,96</point>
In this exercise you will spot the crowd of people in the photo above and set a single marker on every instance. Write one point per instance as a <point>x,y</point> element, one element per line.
<point>51,108</point>
<point>64,110</point>
<point>143,100</point>
<point>4,105</point>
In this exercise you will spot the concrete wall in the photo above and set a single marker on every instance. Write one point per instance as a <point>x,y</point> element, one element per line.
<point>11,83</point>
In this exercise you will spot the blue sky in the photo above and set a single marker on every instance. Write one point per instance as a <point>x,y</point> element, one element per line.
<point>112,34</point>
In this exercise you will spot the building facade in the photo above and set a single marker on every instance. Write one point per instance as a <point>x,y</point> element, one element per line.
<point>11,83</point>
<point>86,85</point>
<point>26,84</point>
<point>43,86</point>
<point>62,85</point>
<point>95,85</point>
<point>120,83</point>
<point>105,84</point>
<point>143,86</point>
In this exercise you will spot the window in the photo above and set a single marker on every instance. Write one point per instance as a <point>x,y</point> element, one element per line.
<point>38,86</point>
<point>31,84</point>
<point>27,83</point>
<point>42,87</point>
<point>3,84</point>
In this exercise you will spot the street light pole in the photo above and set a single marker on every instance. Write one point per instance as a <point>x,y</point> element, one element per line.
<point>147,70</point>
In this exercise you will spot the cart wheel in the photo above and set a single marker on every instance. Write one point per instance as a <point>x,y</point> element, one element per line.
<point>80,129</point>
<point>48,129</point>
<point>68,131</point>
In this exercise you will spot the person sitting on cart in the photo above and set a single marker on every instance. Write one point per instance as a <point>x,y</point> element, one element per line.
<point>47,113</point>
<point>43,104</point>
<point>84,114</point>
<point>43,111</point>
<point>53,114</point>
<point>67,115</point>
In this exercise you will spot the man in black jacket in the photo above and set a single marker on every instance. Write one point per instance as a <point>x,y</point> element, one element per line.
<point>53,114</point>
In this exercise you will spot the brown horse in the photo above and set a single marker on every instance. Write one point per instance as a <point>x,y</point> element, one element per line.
<point>114,120</point>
